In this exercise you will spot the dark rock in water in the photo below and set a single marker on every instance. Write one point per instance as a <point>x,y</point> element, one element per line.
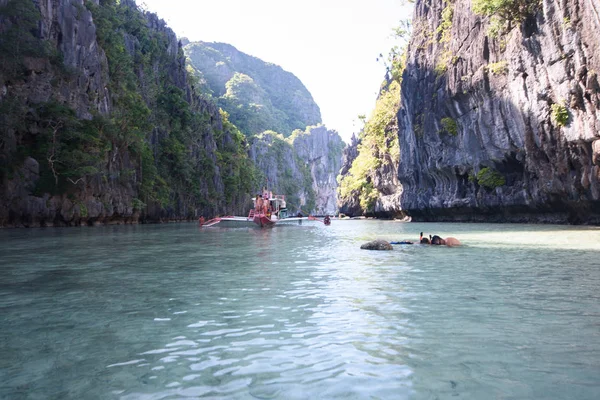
<point>377,245</point>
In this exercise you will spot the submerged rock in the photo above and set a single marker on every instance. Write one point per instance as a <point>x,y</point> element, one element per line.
<point>377,245</point>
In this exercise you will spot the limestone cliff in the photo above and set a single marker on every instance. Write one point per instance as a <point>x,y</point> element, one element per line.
<point>302,167</point>
<point>368,181</point>
<point>502,126</point>
<point>99,123</point>
<point>321,149</point>
<point>258,95</point>
<point>499,118</point>
<point>350,205</point>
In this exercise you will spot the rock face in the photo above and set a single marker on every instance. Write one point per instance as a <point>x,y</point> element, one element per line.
<point>101,124</point>
<point>98,132</point>
<point>258,95</point>
<point>321,149</point>
<point>368,181</point>
<point>351,206</point>
<point>481,133</point>
<point>302,167</point>
<point>385,179</point>
<point>68,25</point>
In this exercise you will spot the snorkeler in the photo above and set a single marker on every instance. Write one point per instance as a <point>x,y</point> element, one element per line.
<point>433,240</point>
<point>449,241</point>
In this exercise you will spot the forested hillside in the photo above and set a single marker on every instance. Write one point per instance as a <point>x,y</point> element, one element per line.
<point>258,95</point>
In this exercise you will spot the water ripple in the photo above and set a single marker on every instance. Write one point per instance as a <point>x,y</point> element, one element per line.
<point>301,312</point>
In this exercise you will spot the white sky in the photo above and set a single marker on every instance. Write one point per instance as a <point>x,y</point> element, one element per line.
<point>330,45</point>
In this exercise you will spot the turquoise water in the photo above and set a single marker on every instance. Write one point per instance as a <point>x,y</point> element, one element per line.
<point>300,312</point>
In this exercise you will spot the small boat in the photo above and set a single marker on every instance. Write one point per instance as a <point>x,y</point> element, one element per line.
<point>277,214</point>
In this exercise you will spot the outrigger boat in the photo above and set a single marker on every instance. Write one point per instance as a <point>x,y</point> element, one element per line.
<point>278,214</point>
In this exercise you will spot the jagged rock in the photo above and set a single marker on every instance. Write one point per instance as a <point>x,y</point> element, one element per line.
<point>596,152</point>
<point>80,81</point>
<point>322,149</point>
<point>385,179</point>
<point>286,164</point>
<point>350,207</point>
<point>500,92</point>
<point>377,245</point>
<point>69,25</point>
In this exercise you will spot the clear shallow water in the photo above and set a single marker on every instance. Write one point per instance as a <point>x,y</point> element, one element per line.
<point>299,312</point>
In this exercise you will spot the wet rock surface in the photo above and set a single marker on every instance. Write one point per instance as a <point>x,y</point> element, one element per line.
<point>377,245</point>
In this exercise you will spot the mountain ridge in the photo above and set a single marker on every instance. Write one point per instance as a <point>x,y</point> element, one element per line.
<point>282,102</point>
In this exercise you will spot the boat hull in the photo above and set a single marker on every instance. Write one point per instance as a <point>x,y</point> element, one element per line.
<point>232,222</point>
<point>258,221</point>
<point>263,221</point>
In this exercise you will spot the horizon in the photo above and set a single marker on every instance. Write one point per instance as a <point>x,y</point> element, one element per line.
<point>335,57</point>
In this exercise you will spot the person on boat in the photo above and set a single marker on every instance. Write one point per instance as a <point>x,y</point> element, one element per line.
<point>327,220</point>
<point>259,203</point>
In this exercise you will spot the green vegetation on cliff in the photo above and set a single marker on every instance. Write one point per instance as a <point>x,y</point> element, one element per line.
<point>506,9</point>
<point>282,170</point>
<point>258,96</point>
<point>444,32</point>
<point>503,13</point>
<point>450,126</point>
<point>19,43</point>
<point>378,146</point>
<point>559,114</point>
<point>490,178</point>
<point>249,105</point>
<point>168,111</point>
<point>160,144</point>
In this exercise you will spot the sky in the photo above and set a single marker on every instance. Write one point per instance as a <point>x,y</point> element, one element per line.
<point>332,46</point>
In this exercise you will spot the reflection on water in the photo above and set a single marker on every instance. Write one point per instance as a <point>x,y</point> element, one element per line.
<point>296,312</point>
